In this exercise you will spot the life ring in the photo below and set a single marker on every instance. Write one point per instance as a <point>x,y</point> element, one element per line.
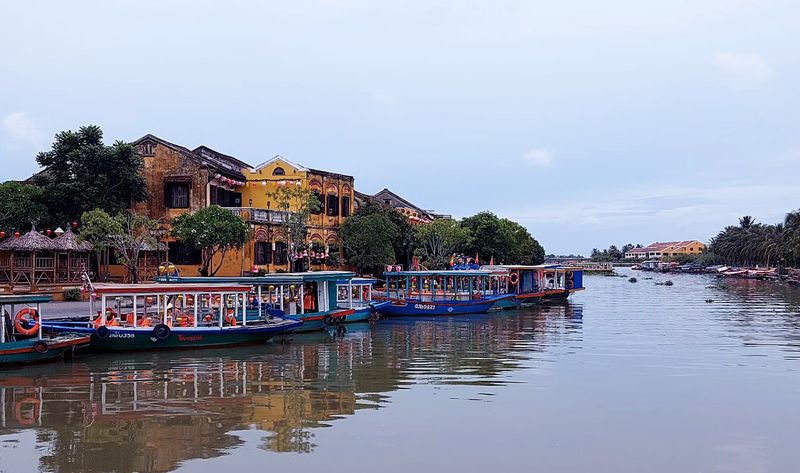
<point>513,279</point>
<point>25,328</point>
<point>102,331</point>
<point>27,420</point>
<point>40,347</point>
<point>161,332</point>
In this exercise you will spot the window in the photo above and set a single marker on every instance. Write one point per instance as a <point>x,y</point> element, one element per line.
<point>225,198</point>
<point>176,196</point>
<point>279,172</point>
<point>148,149</point>
<point>321,206</point>
<point>333,205</point>
<point>346,206</point>
<point>181,253</point>
<point>387,202</point>
<point>263,252</point>
<point>280,256</point>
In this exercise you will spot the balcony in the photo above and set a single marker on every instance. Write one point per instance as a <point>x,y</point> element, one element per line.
<point>254,215</point>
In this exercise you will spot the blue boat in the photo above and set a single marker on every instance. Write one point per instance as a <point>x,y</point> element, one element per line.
<point>427,293</point>
<point>21,338</point>
<point>311,297</point>
<point>170,316</point>
<point>356,294</point>
<point>559,282</point>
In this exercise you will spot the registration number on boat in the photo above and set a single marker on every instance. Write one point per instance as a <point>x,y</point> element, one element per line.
<point>121,335</point>
<point>424,306</point>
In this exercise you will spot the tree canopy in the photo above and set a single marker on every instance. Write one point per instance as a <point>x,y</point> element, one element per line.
<point>753,243</point>
<point>502,239</point>
<point>368,241</point>
<point>213,230</point>
<point>438,240</point>
<point>20,206</point>
<point>81,174</point>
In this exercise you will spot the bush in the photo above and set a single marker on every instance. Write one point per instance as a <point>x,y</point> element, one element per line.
<point>72,294</point>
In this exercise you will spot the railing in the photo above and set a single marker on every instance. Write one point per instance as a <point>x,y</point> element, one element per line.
<point>255,215</point>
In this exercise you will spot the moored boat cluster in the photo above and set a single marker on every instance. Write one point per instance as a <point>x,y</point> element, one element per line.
<point>192,312</point>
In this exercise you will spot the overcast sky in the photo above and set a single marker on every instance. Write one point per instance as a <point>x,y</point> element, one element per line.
<point>590,122</point>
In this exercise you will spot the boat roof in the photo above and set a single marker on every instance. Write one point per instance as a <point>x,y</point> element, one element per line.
<point>459,272</point>
<point>25,299</point>
<point>357,281</point>
<point>168,288</point>
<point>271,278</point>
<point>495,267</point>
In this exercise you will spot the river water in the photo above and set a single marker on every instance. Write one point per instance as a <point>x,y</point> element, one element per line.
<point>626,377</point>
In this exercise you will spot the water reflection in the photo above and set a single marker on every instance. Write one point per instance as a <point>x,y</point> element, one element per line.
<point>148,413</point>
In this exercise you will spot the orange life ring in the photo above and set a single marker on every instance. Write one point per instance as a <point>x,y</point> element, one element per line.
<point>513,279</point>
<point>27,420</point>
<point>21,316</point>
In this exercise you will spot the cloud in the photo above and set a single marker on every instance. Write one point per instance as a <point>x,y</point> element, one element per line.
<point>743,68</point>
<point>538,157</point>
<point>20,133</point>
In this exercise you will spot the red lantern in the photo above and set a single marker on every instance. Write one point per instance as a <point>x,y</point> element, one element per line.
<point>2,234</point>
<point>49,232</point>
<point>74,224</point>
<point>16,234</point>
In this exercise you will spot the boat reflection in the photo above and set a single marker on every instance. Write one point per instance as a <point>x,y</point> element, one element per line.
<point>150,412</point>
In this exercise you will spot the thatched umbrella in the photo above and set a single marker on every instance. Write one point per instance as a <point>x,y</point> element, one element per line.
<point>68,241</point>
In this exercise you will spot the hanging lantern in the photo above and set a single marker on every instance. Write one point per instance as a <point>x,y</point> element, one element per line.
<point>16,235</point>
<point>263,183</point>
<point>2,234</point>
<point>305,253</point>
<point>59,231</point>
<point>49,232</point>
<point>74,224</point>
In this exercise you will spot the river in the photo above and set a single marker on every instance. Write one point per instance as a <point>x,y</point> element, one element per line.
<point>626,377</point>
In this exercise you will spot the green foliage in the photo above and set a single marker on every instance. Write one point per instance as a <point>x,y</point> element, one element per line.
<point>402,241</point>
<point>612,254</point>
<point>438,240</point>
<point>368,240</point>
<point>126,232</point>
<point>213,230</point>
<point>81,173</point>
<point>751,243</point>
<point>20,206</point>
<point>71,294</point>
<point>504,240</point>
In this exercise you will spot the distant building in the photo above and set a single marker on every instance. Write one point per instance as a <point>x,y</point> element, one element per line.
<point>414,213</point>
<point>666,249</point>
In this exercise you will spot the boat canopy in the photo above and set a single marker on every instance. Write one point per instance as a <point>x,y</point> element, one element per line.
<point>25,299</point>
<point>147,289</point>
<point>454,273</point>
<point>267,279</point>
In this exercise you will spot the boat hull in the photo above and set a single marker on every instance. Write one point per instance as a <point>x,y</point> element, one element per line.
<point>24,351</point>
<point>405,308</point>
<point>179,338</point>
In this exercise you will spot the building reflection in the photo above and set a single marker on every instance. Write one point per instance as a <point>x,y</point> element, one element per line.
<point>148,413</point>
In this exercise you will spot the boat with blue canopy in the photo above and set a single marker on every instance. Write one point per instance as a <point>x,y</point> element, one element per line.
<point>169,316</point>
<point>22,339</point>
<point>356,294</point>
<point>311,297</point>
<point>446,292</point>
<point>560,282</point>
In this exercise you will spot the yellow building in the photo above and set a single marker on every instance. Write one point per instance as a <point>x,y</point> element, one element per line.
<point>688,247</point>
<point>335,194</point>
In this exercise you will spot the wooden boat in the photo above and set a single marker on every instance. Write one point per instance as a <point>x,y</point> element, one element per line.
<point>311,297</point>
<point>523,282</point>
<point>356,294</point>
<point>426,293</point>
<point>560,282</point>
<point>169,316</point>
<point>22,341</point>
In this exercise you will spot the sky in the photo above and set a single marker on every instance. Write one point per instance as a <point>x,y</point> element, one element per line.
<point>591,123</point>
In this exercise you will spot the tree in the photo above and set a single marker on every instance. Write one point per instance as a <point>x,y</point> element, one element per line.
<point>403,239</point>
<point>367,240</point>
<point>295,222</point>
<point>96,226</point>
<point>20,206</point>
<point>525,250</point>
<point>81,174</point>
<point>502,239</point>
<point>128,233</point>
<point>438,240</point>
<point>213,230</point>
<point>626,248</point>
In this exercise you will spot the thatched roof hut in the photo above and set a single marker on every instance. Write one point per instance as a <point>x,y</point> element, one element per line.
<point>68,241</point>
<point>31,241</point>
